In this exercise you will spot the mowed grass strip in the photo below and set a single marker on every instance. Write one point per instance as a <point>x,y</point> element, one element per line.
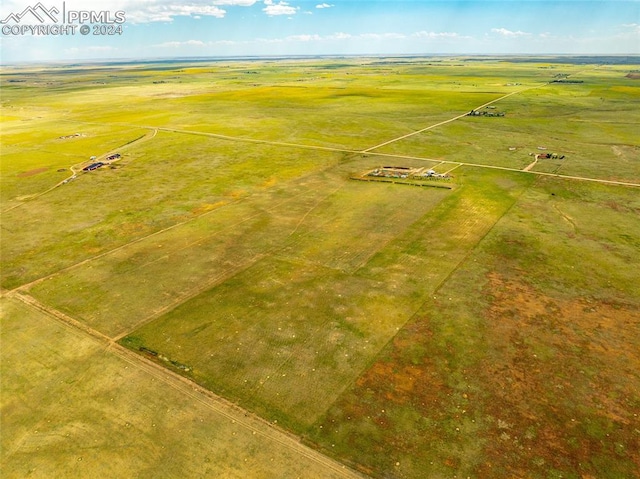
<point>280,338</point>
<point>351,224</point>
<point>523,364</point>
<point>421,258</point>
<point>324,219</point>
<point>286,335</point>
<point>124,288</point>
<point>71,409</point>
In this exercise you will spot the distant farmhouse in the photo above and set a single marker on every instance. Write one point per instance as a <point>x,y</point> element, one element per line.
<point>487,111</point>
<point>93,166</point>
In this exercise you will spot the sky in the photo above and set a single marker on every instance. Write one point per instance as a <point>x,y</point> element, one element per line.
<point>149,29</point>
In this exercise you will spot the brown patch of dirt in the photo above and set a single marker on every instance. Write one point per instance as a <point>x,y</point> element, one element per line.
<point>206,207</point>
<point>34,172</point>
<point>633,76</point>
<point>407,375</point>
<point>562,378</point>
<point>134,228</point>
<point>403,382</point>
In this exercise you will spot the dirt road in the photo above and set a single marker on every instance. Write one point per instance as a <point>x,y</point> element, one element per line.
<point>240,417</point>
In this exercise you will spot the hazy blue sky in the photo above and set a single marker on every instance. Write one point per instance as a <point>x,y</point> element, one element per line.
<point>167,28</point>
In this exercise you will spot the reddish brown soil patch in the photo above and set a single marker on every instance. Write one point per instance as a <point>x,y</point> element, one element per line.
<point>36,171</point>
<point>563,378</point>
<point>406,376</point>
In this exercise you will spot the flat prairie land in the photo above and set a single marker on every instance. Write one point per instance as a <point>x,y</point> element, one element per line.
<point>72,407</point>
<point>231,297</point>
<point>523,363</point>
<point>574,120</point>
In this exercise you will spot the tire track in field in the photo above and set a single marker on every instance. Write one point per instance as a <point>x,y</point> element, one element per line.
<point>368,150</point>
<point>243,418</point>
<point>204,286</point>
<point>465,114</point>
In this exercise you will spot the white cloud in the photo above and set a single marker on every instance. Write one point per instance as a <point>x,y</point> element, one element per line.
<point>268,40</point>
<point>147,11</point>
<point>229,42</point>
<point>188,43</point>
<point>629,34</point>
<point>439,35</point>
<point>324,5</point>
<point>632,28</point>
<point>236,3</point>
<point>165,11</point>
<point>382,36</point>
<point>340,36</point>
<point>304,38</point>
<point>281,8</point>
<point>508,33</point>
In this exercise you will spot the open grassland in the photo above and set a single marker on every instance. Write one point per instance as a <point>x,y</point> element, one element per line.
<point>141,280</point>
<point>71,408</point>
<point>594,124</point>
<point>486,330</point>
<point>34,149</point>
<point>317,284</point>
<point>524,363</point>
<point>170,179</point>
<point>348,106</point>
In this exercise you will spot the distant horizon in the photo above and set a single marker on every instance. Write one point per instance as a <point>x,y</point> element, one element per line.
<point>631,58</point>
<point>47,31</point>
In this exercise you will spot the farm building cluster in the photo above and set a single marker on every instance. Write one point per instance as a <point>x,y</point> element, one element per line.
<point>546,156</point>
<point>486,111</point>
<point>67,137</point>
<point>405,172</point>
<point>93,166</point>
<point>98,164</point>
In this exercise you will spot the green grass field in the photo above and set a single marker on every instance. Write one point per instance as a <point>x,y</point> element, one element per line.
<point>488,329</point>
<point>523,364</point>
<point>71,408</point>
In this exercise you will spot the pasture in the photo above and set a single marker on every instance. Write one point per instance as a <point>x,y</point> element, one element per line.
<point>486,330</point>
<point>73,408</point>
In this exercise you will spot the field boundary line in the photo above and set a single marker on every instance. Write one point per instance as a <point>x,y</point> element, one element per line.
<point>226,203</point>
<point>369,150</point>
<point>118,248</point>
<point>192,293</point>
<point>435,291</point>
<point>515,170</point>
<point>230,410</point>
<point>59,315</point>
<point>255,140</point>
<point>202,287</point>
<point>186,386</point>
<point>392,155</point>
<point>451,119</point>
<point>324,198</point>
